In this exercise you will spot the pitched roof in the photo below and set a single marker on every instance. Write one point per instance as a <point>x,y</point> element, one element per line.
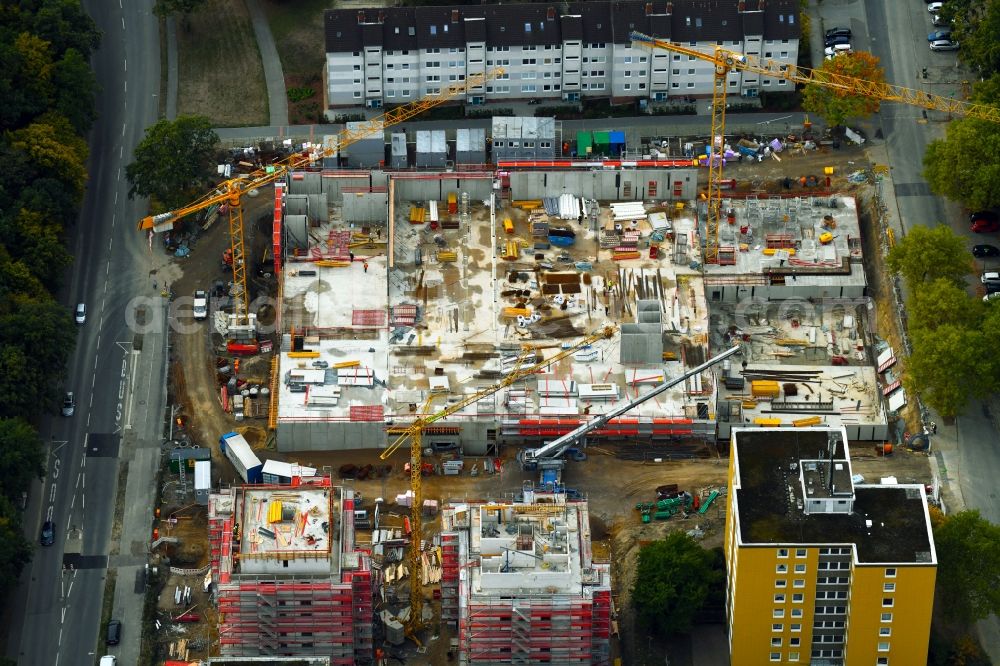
<point>527,24</point>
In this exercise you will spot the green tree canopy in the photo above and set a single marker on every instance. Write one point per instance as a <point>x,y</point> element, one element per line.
<point>926,254</point>
<point>50,145</point>
<point>168,7</point>
<point>672,583</point>
<point>21,457</point>
<point>943,364</point>
<point>943,302</point>
<point>173,162</point>
<point>977,28</point>
<point>965,165</point>
<point>36,339</point>
<point>968,575</point>
<point>837,105</point>
<point>75,87</point>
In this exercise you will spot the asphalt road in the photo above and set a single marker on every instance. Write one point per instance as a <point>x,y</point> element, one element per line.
<point>61,592</point>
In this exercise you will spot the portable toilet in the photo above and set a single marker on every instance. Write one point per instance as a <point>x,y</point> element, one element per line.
<point>202,481</point>
<point>584,144</point>
<point>398,158</point>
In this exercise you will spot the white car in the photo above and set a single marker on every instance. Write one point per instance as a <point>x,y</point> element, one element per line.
<point>200,304</point>
<point>991,297</point>
<point>81,313</point>
<point>944,45</point>
<point>935,7</point>
<point>837,49</point>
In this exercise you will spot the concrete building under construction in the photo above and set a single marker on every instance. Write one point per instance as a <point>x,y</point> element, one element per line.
<point>520,586</point>
<point>288,580</point>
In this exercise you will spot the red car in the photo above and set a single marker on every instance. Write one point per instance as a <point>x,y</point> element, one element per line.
<point>984,222</point>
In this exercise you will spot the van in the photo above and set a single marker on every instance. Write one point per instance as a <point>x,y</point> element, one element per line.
<point>114,633</point>
<point>109,660</point>
<point>990,278</point>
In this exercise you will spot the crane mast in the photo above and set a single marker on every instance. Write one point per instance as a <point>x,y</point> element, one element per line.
<point>726,61</point>
<point>414,433</point>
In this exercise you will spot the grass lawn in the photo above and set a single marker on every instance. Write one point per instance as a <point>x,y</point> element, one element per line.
<point>297,27</point>
<point>221,75</point>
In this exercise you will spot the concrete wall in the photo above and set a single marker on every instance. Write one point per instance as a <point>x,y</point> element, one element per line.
<point>605,185</point>
<point>855,432</point>
<point>365,207</point>
<point>425,190</point>
<point>330,435</point>
<point>801,289</point>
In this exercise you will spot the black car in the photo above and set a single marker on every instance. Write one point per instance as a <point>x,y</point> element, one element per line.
<point>837,39</point>
<point>48,534</point>
<point>984,250</point>
<point>833,32</point>
<point>114,635</point>
<point>985,215</point>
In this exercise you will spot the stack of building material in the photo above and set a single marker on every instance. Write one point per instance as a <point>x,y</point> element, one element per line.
<point>569,207</point>
<point>626,211</point>
<point>452,467</point>
<point>539,228</point>
<point>447,255</point>
<point>527,204</point>
<point>433,205</point>
<point>610,239</point>
<point>417,215</point>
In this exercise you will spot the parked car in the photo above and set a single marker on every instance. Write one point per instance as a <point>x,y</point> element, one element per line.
<point>935,7</point>
<point>985,226</point>
<point>938,21</point>
<point>838,32</point>
<point>837,49</point>
<point>81,313</point>
<point>983,215</point>
<point>837,39</point>
<point>985,250</point>
<point>944,45</point>
<point>114,634</point>
<point>990,277</point>
<point>939,34</point>
<point>989,298</point>
<point>47,536</point>
<point>69,404</point>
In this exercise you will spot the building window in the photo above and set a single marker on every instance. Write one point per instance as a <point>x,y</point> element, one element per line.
<point>890,573</point>
<point>357,68</point>
<point>889,587</point>
<point>690,84</point>
<point>766,82</point>
<point>784,54</point>
<point>357,94</point>
<point>882,661</point>
<point>691,58</point>
<point>793,656</point>
<point>777,627</point>
<point>778,613</point>
<point>677,58</point>
<point>782,568</point>
<point>796,627</point>
<point>800,552</point>
<point>628,86</point>
<point>886,617</point>
<point>642,86</point>
<point>675,85</point>
<point>794,642</point>
<point>885,631</point>
<point>797,598</point>
<point>796,612</point>
<point>775,656</point>
<point>799,582</point>
<point>390,93</point>
<point>776,642</point>
<point>779,598</point>
<point>887,602</point>
<point>406,93</point>
<point>675,72</point>
<point>781,582</point>
<point>800,568</point>
<point>883,646</point>
<point>691,71</point>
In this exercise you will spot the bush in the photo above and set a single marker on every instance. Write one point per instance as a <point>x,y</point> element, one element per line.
<point>299,94</point>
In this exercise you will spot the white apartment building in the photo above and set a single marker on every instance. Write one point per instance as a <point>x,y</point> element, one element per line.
<point>558,52</point>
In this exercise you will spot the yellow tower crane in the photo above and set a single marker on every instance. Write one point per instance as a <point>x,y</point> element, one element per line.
<point>231,191</point>
<point>726,61</point>
<point>414,431</point>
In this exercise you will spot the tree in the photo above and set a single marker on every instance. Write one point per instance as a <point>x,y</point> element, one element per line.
<point>943,302</point>
<point>965,165</point>
<point>75,86</point>
<point>968,575</point>
<point>672,582</point>
<point>943,362</point>
<point>167,7</point>
<point>51,145</point>
<point>172,163</point>
<point>15,552</point>
<point>65,25</point>
<point>21,457</point>
<point>977,29</point>
<point>836,105</point>
<point>927,254</point>
<point>36,339</point>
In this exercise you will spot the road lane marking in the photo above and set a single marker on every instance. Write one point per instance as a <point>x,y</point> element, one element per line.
<point>126,64</point>
<point>123,23</point>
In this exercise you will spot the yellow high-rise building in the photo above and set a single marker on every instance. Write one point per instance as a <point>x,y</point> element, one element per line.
<point>823,570</point>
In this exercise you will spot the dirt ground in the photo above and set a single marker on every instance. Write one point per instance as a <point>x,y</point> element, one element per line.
<point>220,72</point>
<point>298,29</point>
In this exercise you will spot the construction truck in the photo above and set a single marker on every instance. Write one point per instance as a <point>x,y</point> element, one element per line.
<point>550,459</point>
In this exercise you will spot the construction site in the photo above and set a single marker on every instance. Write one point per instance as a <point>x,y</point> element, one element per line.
<point>562,350</point>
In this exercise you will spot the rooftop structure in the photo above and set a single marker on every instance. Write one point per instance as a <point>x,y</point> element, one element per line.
<point>533,591</point>
<point>786,247</point>
<point>275,548</point>
<point>542,45</point>
<point>797,487</point>
<point>860,558</point>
